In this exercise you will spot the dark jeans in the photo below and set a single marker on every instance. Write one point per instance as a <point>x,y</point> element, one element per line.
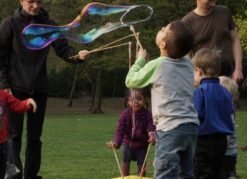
<point>210,151</point>
<point>137,155</point>
<point>3,159</point>
<point>34,127</point>
<point>129,154</point>
<point>229,167</point>
<point>227,67</point>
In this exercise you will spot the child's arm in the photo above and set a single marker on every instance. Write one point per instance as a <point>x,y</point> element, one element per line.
<point>151,130</point>
<point>119,132</point>
<point>151,126</point>
<point>16,105</point>
<point>199,103</point>
<point>141,73</point>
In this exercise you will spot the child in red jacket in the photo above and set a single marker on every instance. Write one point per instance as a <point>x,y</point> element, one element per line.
<point>8,101</point>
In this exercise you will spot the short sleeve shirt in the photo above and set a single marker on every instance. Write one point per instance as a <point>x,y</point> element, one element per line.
<point>212,31</point>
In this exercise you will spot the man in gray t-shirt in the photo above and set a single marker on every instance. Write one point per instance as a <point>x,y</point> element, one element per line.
<point>212,27</point>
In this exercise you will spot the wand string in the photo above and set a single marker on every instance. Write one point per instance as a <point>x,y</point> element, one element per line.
<point>107,46</point>
<point>117,41</point>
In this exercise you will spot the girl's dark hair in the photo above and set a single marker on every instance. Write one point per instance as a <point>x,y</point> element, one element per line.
<point>143,91</point>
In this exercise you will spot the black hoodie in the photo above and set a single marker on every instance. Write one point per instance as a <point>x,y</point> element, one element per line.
<point>23,69</point>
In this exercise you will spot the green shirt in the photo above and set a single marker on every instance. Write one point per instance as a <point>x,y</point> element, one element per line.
<point>171,83</point>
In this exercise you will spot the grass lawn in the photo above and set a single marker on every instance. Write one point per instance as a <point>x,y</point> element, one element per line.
<point>74,146</point>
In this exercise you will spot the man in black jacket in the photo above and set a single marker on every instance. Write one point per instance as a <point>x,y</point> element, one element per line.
<point>23,73</point>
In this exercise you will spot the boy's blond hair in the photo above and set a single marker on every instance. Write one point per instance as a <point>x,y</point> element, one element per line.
<point>231,86</point>
<point>208,60</point>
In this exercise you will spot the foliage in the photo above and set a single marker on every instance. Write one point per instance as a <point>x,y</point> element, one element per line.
<point>242,28</point>
<point>236,7</point>
<point>60,83</point>
<point>115,61</point>
<point>7,8</point>
<point>61,78</point>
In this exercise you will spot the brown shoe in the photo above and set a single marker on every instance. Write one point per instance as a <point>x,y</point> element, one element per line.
<point>243,148</point>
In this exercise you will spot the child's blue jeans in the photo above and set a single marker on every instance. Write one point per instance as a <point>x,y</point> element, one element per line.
<point>174,152</point>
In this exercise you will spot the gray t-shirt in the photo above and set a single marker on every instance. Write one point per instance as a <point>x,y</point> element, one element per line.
<point>171,91</point>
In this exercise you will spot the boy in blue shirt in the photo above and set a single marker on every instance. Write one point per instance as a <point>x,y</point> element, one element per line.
<point>213,104</point>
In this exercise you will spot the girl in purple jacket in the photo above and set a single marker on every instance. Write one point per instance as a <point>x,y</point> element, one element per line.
<point>134,130</point>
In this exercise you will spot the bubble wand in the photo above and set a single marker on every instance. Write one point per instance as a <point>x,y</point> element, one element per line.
<point>107,46</point>
<point>118,164</point>
<point>136,36</point>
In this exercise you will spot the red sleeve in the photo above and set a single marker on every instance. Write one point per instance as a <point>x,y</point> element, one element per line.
<point>16,105</point>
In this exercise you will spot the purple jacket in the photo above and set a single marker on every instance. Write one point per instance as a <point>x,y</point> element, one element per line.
<point>143,126</point>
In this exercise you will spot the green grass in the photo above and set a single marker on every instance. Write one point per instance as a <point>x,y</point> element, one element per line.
<point>241,123</point>
<point>74,147</point>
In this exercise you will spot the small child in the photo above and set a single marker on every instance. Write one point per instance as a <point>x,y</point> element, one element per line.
<point>171,77</point>
<point>213,103</point>
<point>230,159</point>
<point>135,130</point>
<point>8,101</point>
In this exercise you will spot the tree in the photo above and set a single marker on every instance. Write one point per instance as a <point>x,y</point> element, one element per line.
<point>164,12</point>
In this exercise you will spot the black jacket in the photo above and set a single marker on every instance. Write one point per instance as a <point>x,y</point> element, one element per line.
<point>23,69</point>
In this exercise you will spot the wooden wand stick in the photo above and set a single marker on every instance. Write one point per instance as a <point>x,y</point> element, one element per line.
<point>107,46</point>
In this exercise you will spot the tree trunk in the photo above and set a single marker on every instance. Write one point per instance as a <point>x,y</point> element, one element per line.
<point>114,85</point>
<point>97,98</point>
<point>93,91</point>
<point>77,71</point>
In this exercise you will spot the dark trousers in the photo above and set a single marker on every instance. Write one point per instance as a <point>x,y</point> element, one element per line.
<point>129,154</point>
<point>227,67</point>
<point>3,159</point>
<point>34,127</point>
<point>210,151</point>
<point>229,167</point>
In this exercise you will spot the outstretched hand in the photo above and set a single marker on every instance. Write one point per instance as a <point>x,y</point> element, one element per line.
<point>111,145</point>
<point>32,103</point>
<point>83,54</point>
